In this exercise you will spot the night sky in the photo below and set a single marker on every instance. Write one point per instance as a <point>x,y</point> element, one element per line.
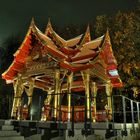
<point>15,15</point>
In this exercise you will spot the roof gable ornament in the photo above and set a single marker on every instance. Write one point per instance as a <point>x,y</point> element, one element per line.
<point>32,22</point>
<point>86,37</point>
<point>107,36</point>
<point>107,47</point>
<point>49,27</point>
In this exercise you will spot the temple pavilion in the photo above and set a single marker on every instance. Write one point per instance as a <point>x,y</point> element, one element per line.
<point>77,67</point>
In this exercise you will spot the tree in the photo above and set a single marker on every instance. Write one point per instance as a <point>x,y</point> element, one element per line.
<point>124,30</point>
<point>7,49</point>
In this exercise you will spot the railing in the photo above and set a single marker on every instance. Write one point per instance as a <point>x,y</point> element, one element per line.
<point>128,109</point>
<point>126,112</point>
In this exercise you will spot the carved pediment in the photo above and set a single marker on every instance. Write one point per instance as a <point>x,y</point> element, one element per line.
<point>35,52</point>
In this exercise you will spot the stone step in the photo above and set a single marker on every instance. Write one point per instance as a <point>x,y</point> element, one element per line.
<point>2,122</point>
<point>7,122</point>
<point>9,133</point>
<point>7,127</point>
<point>34,137</point>
<point>12,138</point>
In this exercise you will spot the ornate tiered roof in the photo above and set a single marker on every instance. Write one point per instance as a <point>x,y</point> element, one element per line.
<point>41,53</point>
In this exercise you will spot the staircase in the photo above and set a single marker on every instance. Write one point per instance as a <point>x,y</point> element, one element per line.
<point>7,132</point>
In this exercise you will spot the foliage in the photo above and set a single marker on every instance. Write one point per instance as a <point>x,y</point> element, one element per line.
<point>9,46</point>
<point>124,30</point>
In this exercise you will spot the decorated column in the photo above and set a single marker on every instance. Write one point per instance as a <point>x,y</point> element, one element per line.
<point>109,99</point>
<point>29,92</point>
<point>87,92</point>
<point>47,107</point>
<point>49,97</point>
<point>69,86</point>
<point>94,93</point>
<point>57,80</point>
<point>59,115</point>
<point>18,90</point>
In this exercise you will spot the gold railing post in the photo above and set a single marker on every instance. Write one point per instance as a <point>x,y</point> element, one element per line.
<point>49,97</point>
<point>59,102</point>
<point>57,80</point>
<point>109,99</point>
<point>18,90</point>
<point>47,102</point>
<point>69,86</point>
<point>87,83</point>
<point>59,92</point>
<point>29,92</point>
<point>94,90</point>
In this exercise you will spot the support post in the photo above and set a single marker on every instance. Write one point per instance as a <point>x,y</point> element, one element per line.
<point>109,99</point>
<point>47,105</point>
<point>18,90</point>
<point>29,93</point>
<point>60,96</point>
<point>87,92</point>
<point>94,93</point>
<point>69,85</point>
<point>57,80</point>
<point>132,115</point>
<point>138,110</point>
<point>124,112</point>
<point>59,101</point>
<point>49,97</point>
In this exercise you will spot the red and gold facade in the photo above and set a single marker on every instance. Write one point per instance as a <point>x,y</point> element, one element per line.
<point>63,67</point>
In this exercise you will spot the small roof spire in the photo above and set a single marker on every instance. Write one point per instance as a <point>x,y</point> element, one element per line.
<point>32,25</point>
<point>107,36</point>
<point>87,33</point>
<point>32,22</point>
<point>86,37</point>
<point>49,27</point>
<point>88,28</point>
<point>49,20</point>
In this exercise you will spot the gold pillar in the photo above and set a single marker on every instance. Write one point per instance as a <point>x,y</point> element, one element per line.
<point>59,92</point>
<point>59,115</point>
<point>69,86</point>
<point>57,80</point>
<point>87,92</point>
<point>29,92</point>
<point>109,100</point>
<point>59,102</point>
<point>49,97</point>
<point>16,103</point>
<point>94,92</point>
<point>18,90</point>
<point>47,103</point>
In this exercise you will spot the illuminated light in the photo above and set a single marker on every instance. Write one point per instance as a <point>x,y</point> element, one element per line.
<point>113,72</point>
<point>32,111</point>
<point>94,120</point>
<point>9,81</point>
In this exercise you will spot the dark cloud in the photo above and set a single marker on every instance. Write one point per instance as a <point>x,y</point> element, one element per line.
<point>15,15</point>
